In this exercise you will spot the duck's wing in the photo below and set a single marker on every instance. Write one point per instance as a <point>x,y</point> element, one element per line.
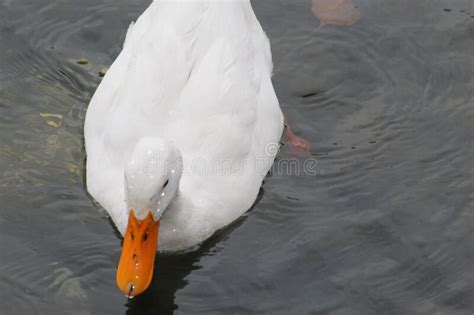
<point>228,124</point>
<point>132,100</point>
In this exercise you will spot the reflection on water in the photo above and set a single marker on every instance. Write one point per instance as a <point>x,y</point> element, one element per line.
<point>385,227</point>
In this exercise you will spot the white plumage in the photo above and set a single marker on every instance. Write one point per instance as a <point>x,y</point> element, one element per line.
<point>194,82</point>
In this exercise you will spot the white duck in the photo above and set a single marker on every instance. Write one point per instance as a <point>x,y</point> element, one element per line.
<point>182,130</point>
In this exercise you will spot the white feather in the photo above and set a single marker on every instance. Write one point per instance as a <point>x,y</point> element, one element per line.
<point>197,73</point>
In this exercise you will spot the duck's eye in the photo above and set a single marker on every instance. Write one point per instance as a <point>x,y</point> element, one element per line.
<point>166,183</point>
<point>145,235</point>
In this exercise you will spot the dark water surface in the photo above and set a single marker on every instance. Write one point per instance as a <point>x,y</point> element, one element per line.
<point>385,227</point>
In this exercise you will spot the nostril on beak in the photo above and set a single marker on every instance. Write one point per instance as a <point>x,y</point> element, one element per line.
<point>130,288</point>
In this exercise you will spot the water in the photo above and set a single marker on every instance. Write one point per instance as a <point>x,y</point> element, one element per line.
<point>385,227</point>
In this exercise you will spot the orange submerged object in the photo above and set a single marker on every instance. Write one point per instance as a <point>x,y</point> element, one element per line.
<point>335,12</point>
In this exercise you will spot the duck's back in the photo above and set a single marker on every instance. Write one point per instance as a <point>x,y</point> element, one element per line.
<point>197,73</point>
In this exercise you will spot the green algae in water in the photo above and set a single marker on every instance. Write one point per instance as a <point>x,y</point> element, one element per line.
<point>67,286</point>
<point>103,72</point>
<point>53,120</point>
<point>82,61</point>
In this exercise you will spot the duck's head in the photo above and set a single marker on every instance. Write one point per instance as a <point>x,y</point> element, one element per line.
<point>152,177</point>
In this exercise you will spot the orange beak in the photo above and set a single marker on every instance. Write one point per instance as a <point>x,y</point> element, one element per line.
<point>135,269</point>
